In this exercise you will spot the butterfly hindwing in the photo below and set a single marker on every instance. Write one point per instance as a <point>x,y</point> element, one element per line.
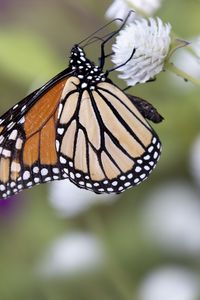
<point>107,145</point>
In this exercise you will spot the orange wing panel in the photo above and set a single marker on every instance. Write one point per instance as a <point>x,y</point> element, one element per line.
<point>45,107</point>
<point>31,150</point>
<point>47,143</point>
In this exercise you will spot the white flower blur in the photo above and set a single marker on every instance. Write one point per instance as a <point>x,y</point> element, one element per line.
<point>170,283</point>
<point>120,8</point>
<point>192,67</point>
<point>195,160</point>
<point>72,254</point>
<point>151,40</point>
<point>171,219</point>
<point>69,200</point>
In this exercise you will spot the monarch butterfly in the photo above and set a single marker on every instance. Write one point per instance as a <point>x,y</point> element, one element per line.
<point>79,126</point>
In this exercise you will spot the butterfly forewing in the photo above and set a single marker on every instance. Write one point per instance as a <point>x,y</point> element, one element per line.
<point>28,154</point>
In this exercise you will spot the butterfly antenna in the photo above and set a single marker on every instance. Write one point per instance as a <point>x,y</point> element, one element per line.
<point>95,38</point>
<point>92,40</point>
<point>123,64</point>
<point>102,60</point>
<point>101,28</point>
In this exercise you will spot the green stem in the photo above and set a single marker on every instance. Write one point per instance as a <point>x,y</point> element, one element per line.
<point>172,68</point>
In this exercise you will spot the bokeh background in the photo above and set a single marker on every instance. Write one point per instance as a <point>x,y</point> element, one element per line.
<point>58,242</point>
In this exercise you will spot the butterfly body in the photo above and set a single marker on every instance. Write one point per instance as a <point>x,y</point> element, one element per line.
<point>78,126</point>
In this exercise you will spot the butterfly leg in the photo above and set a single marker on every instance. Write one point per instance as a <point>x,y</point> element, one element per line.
<point>147,110</point>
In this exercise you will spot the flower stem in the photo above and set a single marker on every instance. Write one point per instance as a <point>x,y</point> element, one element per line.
<point>172,68</point>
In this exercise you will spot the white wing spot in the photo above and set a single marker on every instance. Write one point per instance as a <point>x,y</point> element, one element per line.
<point>142,176</point>
<point>1,139</point>
<point>18,144</point>
<point>55,170</point>
<point>147,168</point>
<point>13,135</point>
<point>147,157</point>
<point>60,131</point>
<point>66,170</point>
<point>15,106</point>
<point>83,85</point>
<point>71,175</point>
<point>6,153</point>
<point>44,172</point>
<point>139,161</point>
<point>154,140</point>
<point>155,155</point>
<point>150,149</point>
<point>47,179</point>
<point>81,182</point>
<point>35,169</point>
<point>114,183</point>
<point>138,169</point>
<point>2,187</point>
<point>22,120</point>
<point>63,160</point>
<point>12,184</point>
<point>10,125</point>
<point>88,185</point>
<point>26,175</point>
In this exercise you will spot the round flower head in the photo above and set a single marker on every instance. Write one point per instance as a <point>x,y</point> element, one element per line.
<point>151,41</point>
<point>120,8</point>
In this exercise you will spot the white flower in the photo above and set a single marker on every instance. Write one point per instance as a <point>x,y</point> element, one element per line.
<point>120,8</point>
<point>170,283</point>
<point>171,219</point>
<point>72,254</point>
<point>192,67</point>
<point>69,200</point>
<point>151,40</point>
<point>195,160</point>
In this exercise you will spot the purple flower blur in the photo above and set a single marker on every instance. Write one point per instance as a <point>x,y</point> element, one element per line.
<point>10,207</point>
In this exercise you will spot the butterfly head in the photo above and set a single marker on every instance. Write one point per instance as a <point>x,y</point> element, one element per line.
<point>85,69</point>
<point>78,58</point>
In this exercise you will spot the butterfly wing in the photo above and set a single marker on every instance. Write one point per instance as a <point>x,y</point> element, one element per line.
<point>28,154</point>
<point>97,138</point>
<point>106,145</point>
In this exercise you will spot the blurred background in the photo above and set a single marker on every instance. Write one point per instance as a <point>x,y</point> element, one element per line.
<point>58,242</point>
